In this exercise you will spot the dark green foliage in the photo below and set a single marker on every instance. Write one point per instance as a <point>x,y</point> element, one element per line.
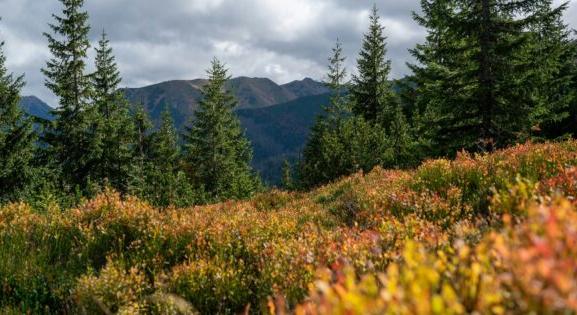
<point>340,142</point>
<point>482,71</point>
<point>217,152</point>
<point>560,86</point>
<point>167,183</point>
<point>115,127</point>
<point>73,148</point>
<point>373,97</point>
<point>157,175</point>
<point>372,93</point>
<point>353,145</point>
<point>17,137</point>
<point>551,55</point>
<point>142,141</point>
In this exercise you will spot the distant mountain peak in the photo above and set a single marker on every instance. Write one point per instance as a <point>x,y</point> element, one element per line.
<point>306,87</point>
<point>34,106</point>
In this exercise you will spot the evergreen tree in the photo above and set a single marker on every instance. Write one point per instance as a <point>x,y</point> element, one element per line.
<point>115,127</point>
<point>373,95</point>
<point>340,107</point>
<point>140,151</point>
<point>372,92</point>
<point>341,143</point>
<point>166,184</point>
<point>318,154</point>
<point>553,54</point>
<point>72,145</point>
<point>17,137</point>
<point>217,151</point>
<point>432,83</point>
<point>476,77</point>
<point>401,141</point>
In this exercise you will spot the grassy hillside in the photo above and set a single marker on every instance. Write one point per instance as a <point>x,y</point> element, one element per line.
<point>481,234</point>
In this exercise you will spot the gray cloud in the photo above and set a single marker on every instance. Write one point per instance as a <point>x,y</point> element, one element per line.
<point>175,39</point>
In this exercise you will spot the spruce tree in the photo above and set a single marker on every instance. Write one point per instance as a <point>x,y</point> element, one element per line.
<point>17,138</point>
<point>166,183</point>
<point>552,53</point>
<point>371,91</point>
<point>341,143</point>
<point>432,84</point>
<point>217,151</point>
<point>318,164</point>
<point>71,144</point>
<point>476,75</point>
<point>115,127</point>
<point>373,95</point>
<point>140,151</point>
<point>340,106</point>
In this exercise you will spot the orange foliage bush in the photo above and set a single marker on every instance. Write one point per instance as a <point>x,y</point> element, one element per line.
<point>478,234</point>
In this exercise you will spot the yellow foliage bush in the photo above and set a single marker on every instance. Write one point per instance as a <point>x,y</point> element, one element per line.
<point>487,234</point>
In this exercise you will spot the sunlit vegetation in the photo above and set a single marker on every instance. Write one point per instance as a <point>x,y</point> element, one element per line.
<point>487,233</point>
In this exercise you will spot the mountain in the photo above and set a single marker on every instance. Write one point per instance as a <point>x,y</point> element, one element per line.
<point>36,107</point>
<point>280,132</point>
<point>306,87</point>
<point>182,97</point>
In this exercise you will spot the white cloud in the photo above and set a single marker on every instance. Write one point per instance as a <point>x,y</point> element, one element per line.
<point>176,39</point>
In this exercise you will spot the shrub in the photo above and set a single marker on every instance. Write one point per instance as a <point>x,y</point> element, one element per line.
<point>482,234</point>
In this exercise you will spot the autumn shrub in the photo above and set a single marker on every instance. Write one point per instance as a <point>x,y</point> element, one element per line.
<point>536,260</point>
<point>527,268</point>
<point>113,290</point>
<point>484,234</point>
<point>213,286</point>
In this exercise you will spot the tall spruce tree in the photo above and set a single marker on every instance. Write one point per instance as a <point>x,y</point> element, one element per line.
<point>341,143</point>
<point>374,98</point>
<point>217,151</point>
<point>115,127</point>
<point>476,75</point>
<point>318,164</point>
<point>17,138</point>
<point>337,81</point>
<point>72,144</point>
<point>371,91</point>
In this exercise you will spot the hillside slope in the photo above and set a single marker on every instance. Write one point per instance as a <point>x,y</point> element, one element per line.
<point>481,234</point>
<point>280,132</point>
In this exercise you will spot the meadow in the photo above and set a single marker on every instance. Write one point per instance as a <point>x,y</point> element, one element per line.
<point>485,234</point>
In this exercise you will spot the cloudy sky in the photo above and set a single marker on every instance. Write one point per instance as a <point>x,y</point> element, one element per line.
<point>156,41</point>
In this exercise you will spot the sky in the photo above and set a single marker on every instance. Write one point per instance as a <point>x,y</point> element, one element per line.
<point>156,41</point>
